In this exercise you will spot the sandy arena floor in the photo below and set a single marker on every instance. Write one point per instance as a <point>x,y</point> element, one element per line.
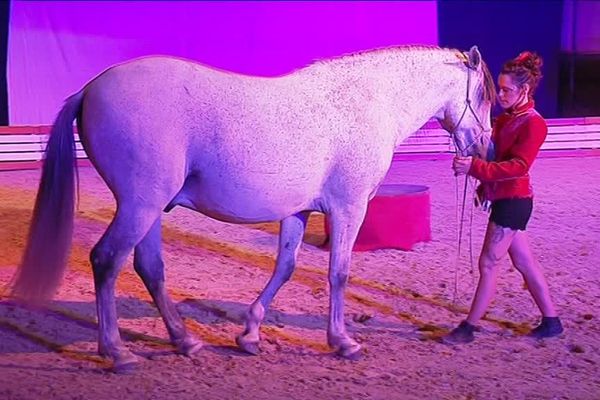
<point>398,303</point>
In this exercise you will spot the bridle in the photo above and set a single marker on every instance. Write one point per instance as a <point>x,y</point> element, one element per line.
<point>461,151</point>
<point>468,106</point>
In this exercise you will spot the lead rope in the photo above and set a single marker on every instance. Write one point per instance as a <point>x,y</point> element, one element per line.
<point>473,194</point>
<point>460,225</point>
<point>460,216</point>
<point>457,238</point>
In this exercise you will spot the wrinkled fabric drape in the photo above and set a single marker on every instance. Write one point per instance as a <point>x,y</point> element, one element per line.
<point>56,47</point>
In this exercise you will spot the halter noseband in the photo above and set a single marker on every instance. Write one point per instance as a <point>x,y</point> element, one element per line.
<point>469,107</point>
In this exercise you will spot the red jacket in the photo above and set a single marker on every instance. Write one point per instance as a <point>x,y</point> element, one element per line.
<point>517,135</point>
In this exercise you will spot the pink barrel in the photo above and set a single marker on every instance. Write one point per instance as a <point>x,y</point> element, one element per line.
<point>397,217</point>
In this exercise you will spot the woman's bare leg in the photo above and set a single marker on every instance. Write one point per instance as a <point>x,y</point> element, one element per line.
<point>495,246</point>
<point>524,261</point>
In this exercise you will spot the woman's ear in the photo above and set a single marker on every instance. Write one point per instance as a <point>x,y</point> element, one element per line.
<point>527,89</point>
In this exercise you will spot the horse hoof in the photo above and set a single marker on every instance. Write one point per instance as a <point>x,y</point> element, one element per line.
<point>352,353</point>
<point>125,367</point>
<point>248,347</point>
<point>190,347</point>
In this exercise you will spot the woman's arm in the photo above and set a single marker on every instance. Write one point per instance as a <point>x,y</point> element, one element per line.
<point>530,137</point>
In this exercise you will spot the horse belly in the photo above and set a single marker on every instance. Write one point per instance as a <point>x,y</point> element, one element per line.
<point>241,203</point>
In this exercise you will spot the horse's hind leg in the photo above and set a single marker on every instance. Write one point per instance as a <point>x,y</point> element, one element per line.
<point>345,225</point>
<point>290,237</point>
<point>128,227</point>
<point>149,265</point>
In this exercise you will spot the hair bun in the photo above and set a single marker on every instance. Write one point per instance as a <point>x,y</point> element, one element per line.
<point>530,60</point>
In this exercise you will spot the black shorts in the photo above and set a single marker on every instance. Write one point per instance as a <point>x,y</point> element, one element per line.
<point>512,213</point>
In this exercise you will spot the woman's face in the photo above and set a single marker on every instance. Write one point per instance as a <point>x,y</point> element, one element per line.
<point>509,93</point>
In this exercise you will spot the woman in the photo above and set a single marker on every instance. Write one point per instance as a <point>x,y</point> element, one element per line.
<point>518,134</point>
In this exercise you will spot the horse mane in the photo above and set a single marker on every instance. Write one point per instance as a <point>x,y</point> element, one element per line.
<point>485,92</point>
<point>382,50</point>
<point>489,87</point>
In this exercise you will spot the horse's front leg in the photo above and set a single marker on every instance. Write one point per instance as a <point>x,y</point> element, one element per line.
<point>345,225</point>
<point>290,237</point>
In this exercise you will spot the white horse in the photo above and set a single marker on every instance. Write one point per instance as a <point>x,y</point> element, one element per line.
<point>165,132</point>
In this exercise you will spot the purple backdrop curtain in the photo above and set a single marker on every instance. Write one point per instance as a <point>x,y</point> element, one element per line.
<point>581,27</point>
<point>55,47</point>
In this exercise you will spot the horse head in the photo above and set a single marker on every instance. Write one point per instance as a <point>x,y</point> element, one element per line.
<point>467,116</point>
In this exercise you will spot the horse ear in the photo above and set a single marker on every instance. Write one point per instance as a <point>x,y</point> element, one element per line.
<point>474,58</point>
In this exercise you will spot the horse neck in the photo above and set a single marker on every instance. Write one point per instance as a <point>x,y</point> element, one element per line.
<point>425,83</point>
<point>414,85</point>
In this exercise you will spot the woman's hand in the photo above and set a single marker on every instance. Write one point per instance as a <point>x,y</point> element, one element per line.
<point>461,165</point>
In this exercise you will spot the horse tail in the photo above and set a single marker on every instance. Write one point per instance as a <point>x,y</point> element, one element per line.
<point>51,230</point>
